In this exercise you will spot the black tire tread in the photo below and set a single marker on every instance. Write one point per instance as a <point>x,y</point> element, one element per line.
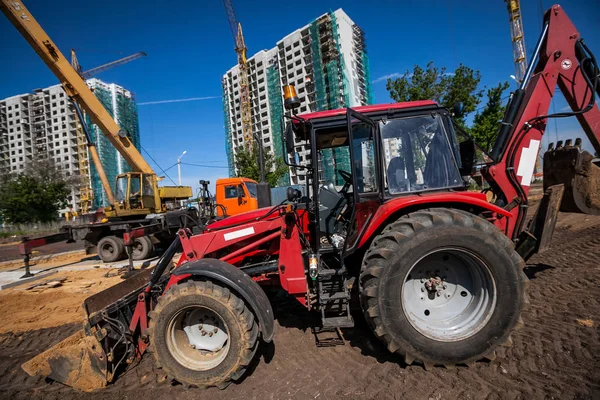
<point>249,328</point>
<point>404,228</point>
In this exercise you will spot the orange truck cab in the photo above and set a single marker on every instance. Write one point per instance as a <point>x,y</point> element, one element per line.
<point>236,195</point>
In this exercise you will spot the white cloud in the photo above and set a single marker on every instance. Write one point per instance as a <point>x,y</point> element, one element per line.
<point>388,76</point>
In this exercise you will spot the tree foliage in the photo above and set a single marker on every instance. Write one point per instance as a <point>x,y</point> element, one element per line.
<point>35,195</point>
<point>485,124</point>
<point>433,83</point>
<point>247,165</point>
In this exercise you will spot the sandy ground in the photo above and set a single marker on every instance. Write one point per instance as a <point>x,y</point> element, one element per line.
<point>24,308</point>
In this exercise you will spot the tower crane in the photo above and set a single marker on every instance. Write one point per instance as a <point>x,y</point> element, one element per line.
<point>94,71</point>
<point>518,38</point>
<point>240,49</point>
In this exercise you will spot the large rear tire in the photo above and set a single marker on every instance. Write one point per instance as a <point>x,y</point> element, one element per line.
<point>442,287</point>
<point>111,249</point>
<point>203,335</point>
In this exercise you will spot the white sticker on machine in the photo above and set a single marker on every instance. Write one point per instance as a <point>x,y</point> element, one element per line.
<point>527,162</point>
<point>238,234</point>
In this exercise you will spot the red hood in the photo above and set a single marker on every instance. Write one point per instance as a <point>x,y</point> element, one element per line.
<point>243,218</point>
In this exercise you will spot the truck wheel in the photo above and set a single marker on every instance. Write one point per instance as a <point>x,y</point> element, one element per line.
<point>142,248</point>
<point>110,249</point>
<point>443,287</point>
<point>202,335</point>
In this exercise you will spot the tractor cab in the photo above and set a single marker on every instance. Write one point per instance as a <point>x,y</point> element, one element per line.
<point>364,157</point>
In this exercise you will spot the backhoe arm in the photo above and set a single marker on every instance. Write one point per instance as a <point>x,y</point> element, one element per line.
<point>563,60</point>
<point>73,84</point>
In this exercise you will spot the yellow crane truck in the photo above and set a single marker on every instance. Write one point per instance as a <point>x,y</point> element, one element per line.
<point>137,199</point>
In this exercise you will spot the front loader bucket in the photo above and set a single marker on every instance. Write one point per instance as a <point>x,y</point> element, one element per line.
<point>93,356</point>
<point>77,361</point>
<point>575,168</point>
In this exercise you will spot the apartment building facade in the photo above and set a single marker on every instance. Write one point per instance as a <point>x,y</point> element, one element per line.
<point>326,61</point>
<point>43,125</point>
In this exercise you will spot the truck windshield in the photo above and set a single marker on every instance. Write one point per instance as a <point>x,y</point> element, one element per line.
<point>251,189</point>
<point>121,188</point>
<point>417,155</point>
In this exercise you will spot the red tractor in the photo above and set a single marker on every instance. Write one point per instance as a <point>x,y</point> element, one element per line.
<point>437,269</point>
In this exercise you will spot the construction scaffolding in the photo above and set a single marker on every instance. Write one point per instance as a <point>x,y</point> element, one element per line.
<point>276,112</point>
<point>86,194</point>
<point>227,123</point>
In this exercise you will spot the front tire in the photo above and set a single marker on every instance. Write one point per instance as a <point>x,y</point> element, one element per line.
<point>202,334</point>
<point>442,287</point>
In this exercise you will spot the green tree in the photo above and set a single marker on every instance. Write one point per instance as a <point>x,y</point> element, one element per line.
<point>35,195</point>
<point>432,83</point>
<point>486,123</point>
<point>247,165</point>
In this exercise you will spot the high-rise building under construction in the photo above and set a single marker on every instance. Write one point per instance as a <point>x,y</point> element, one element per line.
<point>44,125</point>
<point>326,61</point>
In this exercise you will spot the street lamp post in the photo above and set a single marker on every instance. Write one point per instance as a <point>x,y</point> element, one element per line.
<point>179,166</point>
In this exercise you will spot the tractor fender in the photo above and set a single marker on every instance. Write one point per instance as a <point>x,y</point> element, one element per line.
<point>238,281</point>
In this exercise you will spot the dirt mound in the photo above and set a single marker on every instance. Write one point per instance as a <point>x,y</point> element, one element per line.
<point>41,307</point>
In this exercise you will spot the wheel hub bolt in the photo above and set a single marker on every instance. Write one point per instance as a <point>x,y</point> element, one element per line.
<point>210,334</point>
<point>422,289</point>
<point>216,330</point>
<point>438,294</point>
<point>203,333</point>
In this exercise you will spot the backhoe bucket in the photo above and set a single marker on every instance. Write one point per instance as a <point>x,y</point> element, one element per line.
<point>77,361</point>
<point>568,164</point>
<point>93,356</point>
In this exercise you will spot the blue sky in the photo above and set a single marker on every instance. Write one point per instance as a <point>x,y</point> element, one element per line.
<point>189,47</point>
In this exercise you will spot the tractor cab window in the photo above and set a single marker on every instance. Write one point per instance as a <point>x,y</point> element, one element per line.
<point>121,188</point>
<point>417,155</point>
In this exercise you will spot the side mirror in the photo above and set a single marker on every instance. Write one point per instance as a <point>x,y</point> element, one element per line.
<point>458,109</point>
<point>289,139</point>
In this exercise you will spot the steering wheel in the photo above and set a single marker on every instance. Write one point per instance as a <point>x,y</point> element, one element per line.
<point>346,176</point>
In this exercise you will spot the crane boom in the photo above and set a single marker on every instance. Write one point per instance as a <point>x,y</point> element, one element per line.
<point>240,49</point>
<point>94,71</point>
<point>74,85</point>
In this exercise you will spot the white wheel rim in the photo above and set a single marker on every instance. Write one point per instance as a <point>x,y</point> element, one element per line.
<point>449,294</point>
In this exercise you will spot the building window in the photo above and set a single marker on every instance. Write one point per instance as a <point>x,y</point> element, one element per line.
<point>12,153</point>
<point>53,97</point>
<point>9,115</point>
<point>18,129</point>
<point>65,135</point>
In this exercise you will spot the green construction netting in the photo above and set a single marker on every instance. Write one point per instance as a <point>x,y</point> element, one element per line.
<point>320,93</point>
<point>367,71</point>
<point>228,146</point>
<point>128,120</point>
<point>276,108</point>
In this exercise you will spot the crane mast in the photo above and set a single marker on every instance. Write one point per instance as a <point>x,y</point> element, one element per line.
<point>518,38</point>
<point>240,49</point>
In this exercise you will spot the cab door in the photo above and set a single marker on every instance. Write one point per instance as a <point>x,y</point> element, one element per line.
<point>234,198</point>
<point>367,185</point>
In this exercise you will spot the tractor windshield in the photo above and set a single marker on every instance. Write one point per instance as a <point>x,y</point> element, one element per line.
<point>417,155</point>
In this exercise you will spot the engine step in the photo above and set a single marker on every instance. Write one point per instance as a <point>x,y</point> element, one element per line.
<point>338,322</point>
<point>326,298</point>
